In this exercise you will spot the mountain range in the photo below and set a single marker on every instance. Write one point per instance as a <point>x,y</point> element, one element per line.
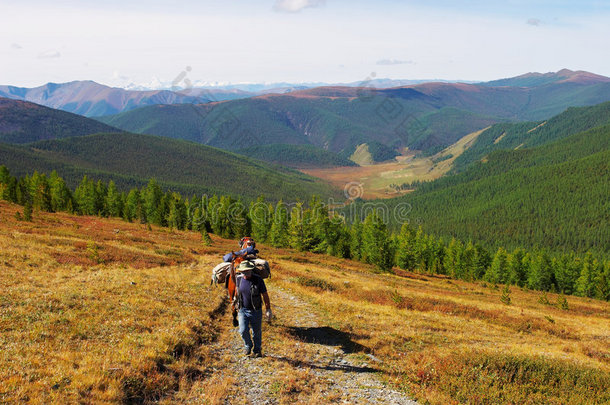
<point>426,117</point>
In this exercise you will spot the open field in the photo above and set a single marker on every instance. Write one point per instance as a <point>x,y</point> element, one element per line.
<point>97,310</point>
<point>407,168</point>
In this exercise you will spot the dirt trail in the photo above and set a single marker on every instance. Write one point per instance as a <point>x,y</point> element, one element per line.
<point>304,361</point>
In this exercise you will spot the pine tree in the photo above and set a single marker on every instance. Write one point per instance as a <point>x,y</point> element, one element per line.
<point>239,220</point>
<point>505,298</point>
<point>61,195</point>
<point>27,211</point>
<point>482,261</point>
<point>85,197</point>
<point>101,191</point>
<point>355,244</point>
<point>132,205</point>
<point>205,237</point>
<point>541,276</point>
<point>453,257</point>
<point>585,285</point>
<point>260,219</point>
<point>278,234</point>
<point>498,271</point>
<point>405,256</point>
<point>152,196</point>
<point>113,203</point>
<point>300,230</point>
<point>517,274</point>
<point>377,246</point>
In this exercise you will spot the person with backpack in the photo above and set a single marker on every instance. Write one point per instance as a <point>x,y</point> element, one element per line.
<point>251,293</point>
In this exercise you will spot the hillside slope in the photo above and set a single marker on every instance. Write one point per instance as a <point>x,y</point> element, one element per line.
<point>24,122</point>
<point>554,196</point>
<point>530,134</point>
<point>296,156</point>
<point>132,159</point>
<point>101,310</point>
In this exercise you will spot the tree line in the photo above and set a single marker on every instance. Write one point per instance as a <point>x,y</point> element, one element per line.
<point>311,227</point>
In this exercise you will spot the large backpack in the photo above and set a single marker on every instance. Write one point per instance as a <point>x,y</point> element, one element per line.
<point>261,268</point>
<point>220,272</point>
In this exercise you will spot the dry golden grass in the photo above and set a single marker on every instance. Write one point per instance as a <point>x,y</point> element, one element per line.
<point>95,310</point>
<point>99,310</point>
<point>447,341</point>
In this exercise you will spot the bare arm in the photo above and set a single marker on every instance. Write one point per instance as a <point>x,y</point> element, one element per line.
<point>266,299</point>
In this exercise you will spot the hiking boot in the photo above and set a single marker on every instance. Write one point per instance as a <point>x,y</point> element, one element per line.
<point>247,351</point>
<point>257,354</point>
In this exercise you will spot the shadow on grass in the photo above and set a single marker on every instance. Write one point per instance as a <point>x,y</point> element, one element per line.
<point>330,367</point>
<point>325,335</point>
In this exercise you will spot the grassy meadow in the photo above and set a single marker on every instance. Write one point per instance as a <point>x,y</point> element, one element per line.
<point>103,311</point>
<point>377,178</point>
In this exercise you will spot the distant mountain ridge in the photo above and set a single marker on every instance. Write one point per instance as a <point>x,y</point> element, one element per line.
<point>90,99</point>
<point>538,79</point>
<point>428,116</point>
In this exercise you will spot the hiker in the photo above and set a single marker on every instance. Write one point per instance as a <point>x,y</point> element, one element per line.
<point>252,292</point>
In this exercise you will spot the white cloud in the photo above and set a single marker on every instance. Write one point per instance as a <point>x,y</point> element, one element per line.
<point>534,21</point>
<point>294,6</point>
<point>385,62</point>
<point>16,46</point>
<point>49,54</point>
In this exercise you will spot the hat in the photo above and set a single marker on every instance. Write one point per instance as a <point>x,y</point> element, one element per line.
<point>246,265</point>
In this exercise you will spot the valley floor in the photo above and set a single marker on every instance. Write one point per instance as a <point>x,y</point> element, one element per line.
<point>100,310</point>
<point>376,179</point>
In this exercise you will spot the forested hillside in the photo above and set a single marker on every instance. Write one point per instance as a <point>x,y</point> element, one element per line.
<point>554,196</point>
<point>296,156</point>
<point>24,122</point>
<point>132,159</point>
<point>529,134</point>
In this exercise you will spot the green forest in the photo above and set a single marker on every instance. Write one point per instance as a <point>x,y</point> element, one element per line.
<point>313,228</point>
<point>553,196</point>
<point>131,159</point>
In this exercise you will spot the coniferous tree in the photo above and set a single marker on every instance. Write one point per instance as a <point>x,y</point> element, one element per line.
<point>278,234</point>
<point>133,206</point>
<point>405,255</point>
<point>61,195</point>
<point>205,237</point>
<point>498,271</point>
<point>113,203</point>
<point>453,257</point>
<point>239,221</point>
<point>40,192</point>
<point>355,244</point>
<point>300,229</point>
<point>27,211</point>
<point>482,261</point>
<point>567,272</point>
<point>541,275</point>
<point>585,286</point>
<point>152,196</point>
<point>376,244</point>
<point>101,190</point>
<point>8,185</point>
<point>85,197</point>
<point>517,274</point>
<point>260,219</point>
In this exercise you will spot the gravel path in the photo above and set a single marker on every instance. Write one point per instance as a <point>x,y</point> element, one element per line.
<point>325,358</point>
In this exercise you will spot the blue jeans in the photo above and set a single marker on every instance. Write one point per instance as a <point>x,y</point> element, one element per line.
<point>254,320</point>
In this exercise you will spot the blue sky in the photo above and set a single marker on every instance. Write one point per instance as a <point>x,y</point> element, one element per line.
<point>152,42</point>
